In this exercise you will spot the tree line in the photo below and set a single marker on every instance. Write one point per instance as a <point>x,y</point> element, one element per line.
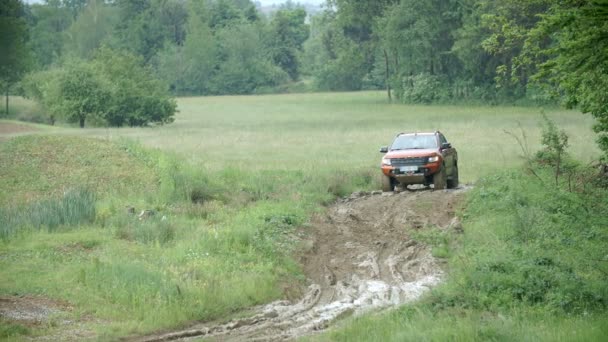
<point>546,51</point>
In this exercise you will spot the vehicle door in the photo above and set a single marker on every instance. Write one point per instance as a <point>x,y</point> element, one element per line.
<point>449,154</point>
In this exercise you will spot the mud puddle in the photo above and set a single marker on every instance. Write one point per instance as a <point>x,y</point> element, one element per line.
<point>361,258</point>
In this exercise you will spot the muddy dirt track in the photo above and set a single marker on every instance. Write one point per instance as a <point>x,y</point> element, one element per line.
<point>360,257</point>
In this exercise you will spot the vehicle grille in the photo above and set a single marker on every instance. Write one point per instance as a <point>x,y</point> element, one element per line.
<point>409,161</point>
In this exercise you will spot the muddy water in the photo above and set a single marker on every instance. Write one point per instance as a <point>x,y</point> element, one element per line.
<point>361,259</point>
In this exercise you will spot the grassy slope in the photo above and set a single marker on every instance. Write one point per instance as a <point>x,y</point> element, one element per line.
<point>268,162</point>
<point>202,261</point>
<point>37,166</point>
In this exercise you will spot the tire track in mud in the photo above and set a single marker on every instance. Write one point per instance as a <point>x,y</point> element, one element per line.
<point>362,259</point>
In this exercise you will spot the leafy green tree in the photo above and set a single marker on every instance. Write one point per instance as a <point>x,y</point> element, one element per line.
<point>47,23</point>
<point>508,23</point>
<point>92,26</point>
<point>79,94</point>
<point>189,69</point>
<point>335,61</point>
<point>144,26</point>
<point>574,66</point>
<point>288,31</point>
<point>136,97</point>
<point>113,89</point>
<point>243,63</point>
<point>417,39</point>
<point>14,53</point>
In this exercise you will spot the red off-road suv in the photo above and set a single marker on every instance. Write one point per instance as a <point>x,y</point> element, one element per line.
<point>419,158</point>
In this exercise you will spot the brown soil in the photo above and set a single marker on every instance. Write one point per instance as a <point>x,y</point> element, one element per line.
<point>11,128</point>
<point>44,313</point>
<point>30,310</point>
<point>8,130</point>
<point>358,257</point>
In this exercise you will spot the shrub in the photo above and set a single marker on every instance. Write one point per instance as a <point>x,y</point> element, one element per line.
<point>425,88</point>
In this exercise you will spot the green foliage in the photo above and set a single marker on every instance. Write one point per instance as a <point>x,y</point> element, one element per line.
<point>74,208</point>
<point>11,330</point>
<point>91,28</point>
<point>424,88</point>
<point>555,142</point>
<point>148,230</point>
<point>288,31</point>
<point>113,89</point>
<point>573,66</point>
<point>552,257</point>
<point>47,23</point>
<point>14,52</point>
<point>136,97</point>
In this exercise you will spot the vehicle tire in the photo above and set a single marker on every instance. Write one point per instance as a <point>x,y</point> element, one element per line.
<point>388,184</point>
<point>453,182</point>
<point>439,179</point>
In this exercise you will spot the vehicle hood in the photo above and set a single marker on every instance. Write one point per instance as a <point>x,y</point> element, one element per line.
<point>412,153</point>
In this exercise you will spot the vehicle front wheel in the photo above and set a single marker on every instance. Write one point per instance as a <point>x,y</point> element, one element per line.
<point>453,182</point>
<point>439,180</point>
<point>388,184</point>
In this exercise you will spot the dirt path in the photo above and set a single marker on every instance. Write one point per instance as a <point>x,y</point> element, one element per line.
<point>361,258</point>
<point>8,130</point>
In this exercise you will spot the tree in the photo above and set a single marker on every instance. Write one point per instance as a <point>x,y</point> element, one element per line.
<point>113,89</point>
<point>14,53</point>
<point>288,31</point>
<point>189,69</point>
<point>47,23</point>
<point>574,65</point>
<point>90,29</point>
<point>79,94</point>
<point>145,26</point>
<point>136,97</point>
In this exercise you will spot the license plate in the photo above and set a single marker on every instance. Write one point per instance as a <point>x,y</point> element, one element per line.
<point>408,168</point>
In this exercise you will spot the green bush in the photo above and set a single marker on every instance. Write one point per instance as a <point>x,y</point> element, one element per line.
<point>531,244</point>
<point>425,88</point>
<point>149,230</point>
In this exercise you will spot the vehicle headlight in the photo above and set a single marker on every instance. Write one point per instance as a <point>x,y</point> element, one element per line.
<point>433,159</point>
<point>386,161</point>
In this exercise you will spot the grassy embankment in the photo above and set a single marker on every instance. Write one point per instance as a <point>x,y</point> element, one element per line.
<point>530,266</point>
<point>256,167</point>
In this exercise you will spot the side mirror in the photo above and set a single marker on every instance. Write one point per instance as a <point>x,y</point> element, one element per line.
<point>446,145</point>
<point>383,149</point>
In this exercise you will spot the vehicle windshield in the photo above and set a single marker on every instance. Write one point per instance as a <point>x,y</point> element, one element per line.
<point>408,142</point>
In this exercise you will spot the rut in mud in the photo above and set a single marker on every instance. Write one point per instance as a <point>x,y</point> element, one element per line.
<point>361,258</point>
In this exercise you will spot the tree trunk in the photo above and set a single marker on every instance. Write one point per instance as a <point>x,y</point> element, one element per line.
<point>388,83</point>
<point>82,122</point>
<point>6,101</point>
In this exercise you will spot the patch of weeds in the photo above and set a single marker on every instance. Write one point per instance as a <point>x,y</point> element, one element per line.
<point>341,184</point>
<point>75,207</point>
<point>10,330</point>
<point>438,239</point>
<point>152,229</point>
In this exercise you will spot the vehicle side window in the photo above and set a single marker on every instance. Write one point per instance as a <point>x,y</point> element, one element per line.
<point>442,139</point>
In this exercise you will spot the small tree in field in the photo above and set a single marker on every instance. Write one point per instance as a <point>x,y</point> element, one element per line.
<point>79,94</point>
<point>137,98</point>
<point>555,142</point>
<point>114,88</point>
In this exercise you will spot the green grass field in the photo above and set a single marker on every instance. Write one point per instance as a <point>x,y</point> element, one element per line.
<point>343,131</point>
<point>234,176</point>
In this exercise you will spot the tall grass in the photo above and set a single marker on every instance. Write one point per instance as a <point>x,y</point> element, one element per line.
<point>75,207</point>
